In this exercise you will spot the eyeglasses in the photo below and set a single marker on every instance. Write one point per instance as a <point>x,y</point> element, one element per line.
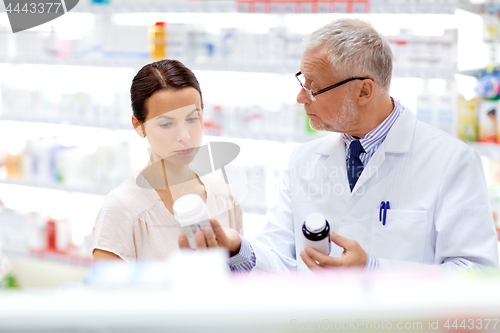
<point>312,95</point>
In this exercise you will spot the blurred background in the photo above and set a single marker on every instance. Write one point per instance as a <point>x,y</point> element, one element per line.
<point>66,137</point>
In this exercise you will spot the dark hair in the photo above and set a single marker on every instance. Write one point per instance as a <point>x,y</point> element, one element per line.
<point>165,74</point>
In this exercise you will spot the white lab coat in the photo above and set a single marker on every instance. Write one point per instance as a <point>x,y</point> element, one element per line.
<point>439,205</point>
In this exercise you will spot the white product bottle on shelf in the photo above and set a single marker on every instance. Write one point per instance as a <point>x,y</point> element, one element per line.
<point>426,105</point>
<point>447,109</point>
<point>316,231</point>
<point>192,214</point>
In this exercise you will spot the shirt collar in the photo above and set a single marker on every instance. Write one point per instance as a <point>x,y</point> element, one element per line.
<point>375,137</point>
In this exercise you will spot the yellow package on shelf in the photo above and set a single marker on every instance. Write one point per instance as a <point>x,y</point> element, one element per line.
<point>467,119</point>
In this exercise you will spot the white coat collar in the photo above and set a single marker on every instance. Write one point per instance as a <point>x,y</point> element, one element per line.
<point>398,139</point>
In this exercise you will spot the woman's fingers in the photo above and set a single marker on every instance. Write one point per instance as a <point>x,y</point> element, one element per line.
<point>199,239</point>
<point>210,238</point>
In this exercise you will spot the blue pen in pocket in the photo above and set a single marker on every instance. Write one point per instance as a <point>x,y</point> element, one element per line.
<point>384,206</point>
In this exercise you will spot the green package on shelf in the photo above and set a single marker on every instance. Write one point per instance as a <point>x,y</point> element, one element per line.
<point>8,282</point>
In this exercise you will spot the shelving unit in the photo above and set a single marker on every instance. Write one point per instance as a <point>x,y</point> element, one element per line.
<point>150,6</point>
<point>136,64</point>
<point>69,258</point>
<point>280,68</point>
<point>59,187</point>
<point>272,68</point>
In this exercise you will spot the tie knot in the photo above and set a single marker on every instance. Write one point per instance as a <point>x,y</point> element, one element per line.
<point>356,148</point>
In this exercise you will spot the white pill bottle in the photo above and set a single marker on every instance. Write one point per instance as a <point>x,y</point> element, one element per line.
<point>192,214</point>
<point>316,231</point>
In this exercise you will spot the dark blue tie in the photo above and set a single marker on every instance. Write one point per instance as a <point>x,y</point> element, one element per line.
<point>354,164</point>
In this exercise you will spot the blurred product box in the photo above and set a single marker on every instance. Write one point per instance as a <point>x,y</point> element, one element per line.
<point>467,116</point>
<point>487,115</point>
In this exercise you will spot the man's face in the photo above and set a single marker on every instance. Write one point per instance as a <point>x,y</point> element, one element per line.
<point>334,110</point>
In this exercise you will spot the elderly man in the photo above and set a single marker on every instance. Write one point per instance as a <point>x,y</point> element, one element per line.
<point>395,191</point>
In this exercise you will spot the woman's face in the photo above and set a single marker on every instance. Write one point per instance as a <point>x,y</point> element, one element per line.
<point>174,124</point>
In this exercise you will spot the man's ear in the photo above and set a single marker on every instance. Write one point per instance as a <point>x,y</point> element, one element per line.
<point>139,128</point>
<point>367,88</point>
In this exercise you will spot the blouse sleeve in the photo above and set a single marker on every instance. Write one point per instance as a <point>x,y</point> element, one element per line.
<point>114,230</point>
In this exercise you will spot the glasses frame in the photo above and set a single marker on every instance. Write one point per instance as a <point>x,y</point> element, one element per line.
<point>312,95</point>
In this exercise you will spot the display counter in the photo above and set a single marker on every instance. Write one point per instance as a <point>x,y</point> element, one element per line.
<point>341,300</point>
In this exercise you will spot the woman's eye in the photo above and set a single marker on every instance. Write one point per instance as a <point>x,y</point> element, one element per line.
<point>166,125</point>
<point>192,120</point>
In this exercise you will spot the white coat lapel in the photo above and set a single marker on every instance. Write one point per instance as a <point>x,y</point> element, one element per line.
<point>398,140</point>
<point>332,152</point>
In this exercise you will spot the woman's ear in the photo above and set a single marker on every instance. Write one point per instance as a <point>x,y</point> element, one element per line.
<point>139,131</point>
<point>139,128</point>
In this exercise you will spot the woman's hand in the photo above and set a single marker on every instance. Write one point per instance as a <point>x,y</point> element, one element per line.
<point>224,237</point>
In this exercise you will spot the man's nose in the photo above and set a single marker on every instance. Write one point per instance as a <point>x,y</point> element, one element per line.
<point>302,97</point>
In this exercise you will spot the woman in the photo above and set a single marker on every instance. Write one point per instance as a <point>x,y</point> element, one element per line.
<point>136,220</point>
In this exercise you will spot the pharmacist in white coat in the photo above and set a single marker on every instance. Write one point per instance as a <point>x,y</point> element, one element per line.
<point>395,191</point>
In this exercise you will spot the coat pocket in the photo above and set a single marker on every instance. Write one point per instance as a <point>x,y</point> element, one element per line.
<point>402,237</point>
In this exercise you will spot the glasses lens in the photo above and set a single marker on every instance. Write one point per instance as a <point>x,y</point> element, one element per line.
<point>310,94</point>
<point>307,90</point>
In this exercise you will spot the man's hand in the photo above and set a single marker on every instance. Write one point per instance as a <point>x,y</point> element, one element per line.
<point>224,237</point>
<point>353,255</point>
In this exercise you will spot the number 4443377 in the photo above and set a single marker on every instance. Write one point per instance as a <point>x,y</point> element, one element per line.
<point>39,7</point>
<point>477,324</point>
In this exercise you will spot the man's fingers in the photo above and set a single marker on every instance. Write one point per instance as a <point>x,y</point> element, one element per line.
<point>340,241</point>
<point>183,242</point>
<point>220,235</point>
<point>210,238</point>
<point>199,239</point>
<point>310,262</point>
<point>321,259</point>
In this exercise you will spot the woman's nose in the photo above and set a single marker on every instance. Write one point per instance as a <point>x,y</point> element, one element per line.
<point>183,134</point>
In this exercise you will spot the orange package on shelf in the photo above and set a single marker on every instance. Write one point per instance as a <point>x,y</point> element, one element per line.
<point>487,116</point>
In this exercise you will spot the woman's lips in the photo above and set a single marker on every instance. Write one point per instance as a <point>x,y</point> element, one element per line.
<point>184,151</point>
<point>311,115</point>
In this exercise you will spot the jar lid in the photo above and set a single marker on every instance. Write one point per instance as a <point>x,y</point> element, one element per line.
<point>315,222</point>
<point>189,209</point>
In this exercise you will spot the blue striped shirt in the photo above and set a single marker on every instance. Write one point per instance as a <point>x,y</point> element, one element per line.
<point>245,260</point>
<point>371,141</point>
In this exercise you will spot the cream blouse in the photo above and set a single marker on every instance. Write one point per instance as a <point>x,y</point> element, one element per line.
<point>135,224</point>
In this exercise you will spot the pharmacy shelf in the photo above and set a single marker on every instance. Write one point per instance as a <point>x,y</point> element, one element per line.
<point>60,187</point>
<point>425,73</point>
<point>60,257</point>
<point>111,126</point>
<point>297,138</point>
<point>253,209</point>
<point>486,7</point>
<point>477,73</point>
<point>249,67</point>
<point>491,150</point>
<point>138,63</point>
<point>272,7</point>
<point>158,6</point>
<point>435,8</point>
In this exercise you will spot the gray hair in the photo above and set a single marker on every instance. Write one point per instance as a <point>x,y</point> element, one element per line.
<point>354,48</point>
